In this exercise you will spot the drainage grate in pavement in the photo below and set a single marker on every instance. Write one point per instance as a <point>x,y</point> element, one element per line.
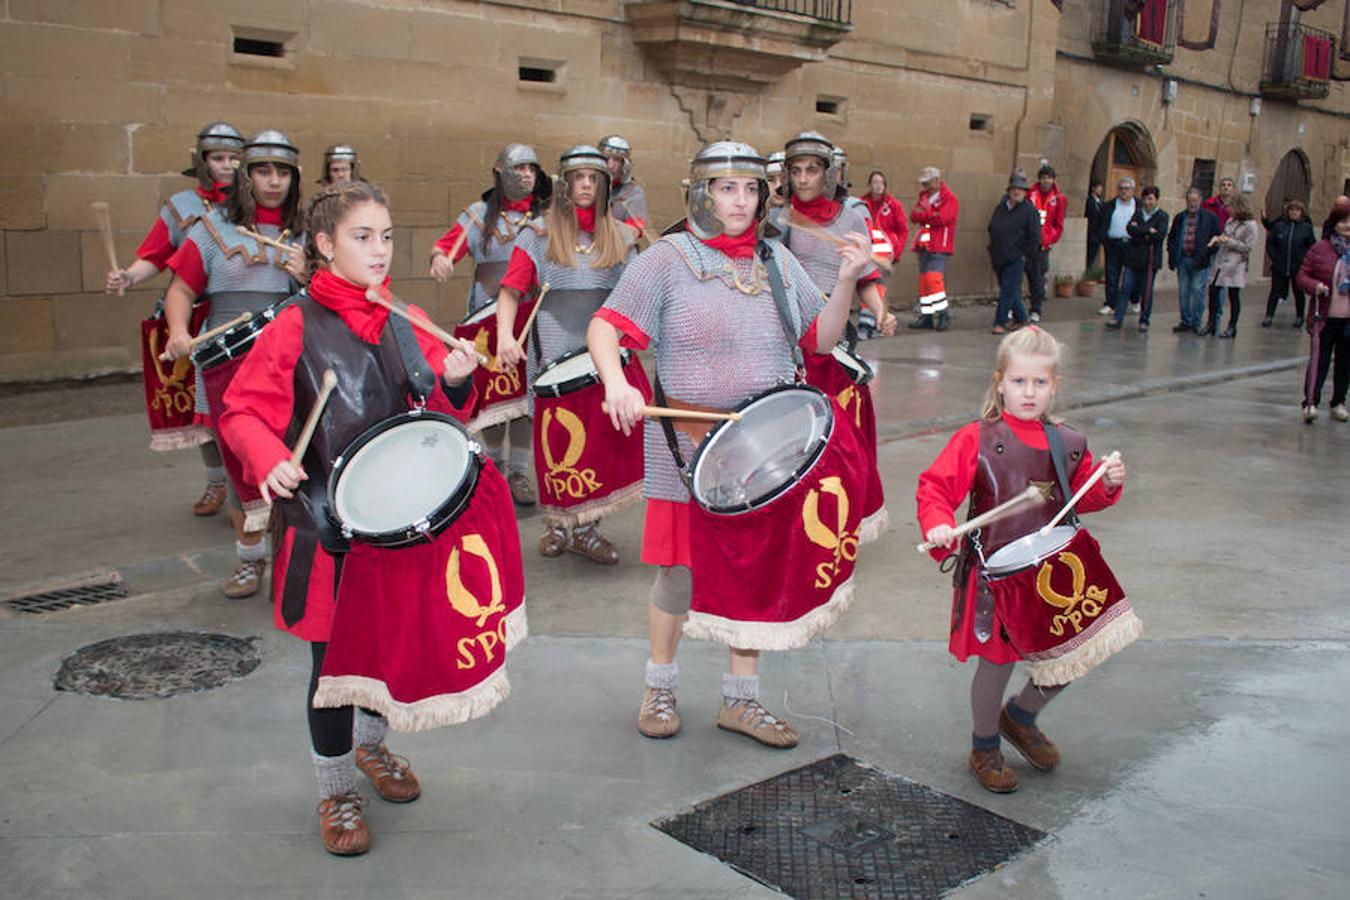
<point>65,598</point>
<point>146,666</point>
<point>841,829</point>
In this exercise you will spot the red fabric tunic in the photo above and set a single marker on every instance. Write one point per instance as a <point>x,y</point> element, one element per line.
<point>944,487</point>
<point>157,246</point>
<point>259,407</point>
<point>448,240</point>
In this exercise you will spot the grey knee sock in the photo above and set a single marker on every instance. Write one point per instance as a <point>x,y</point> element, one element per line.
<point>369,730</point>
<point>739,687</point>
<point>215,474</point>
<point>335,774</point>
<point>663,675</point>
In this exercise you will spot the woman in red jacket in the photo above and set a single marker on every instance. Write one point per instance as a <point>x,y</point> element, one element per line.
<point>1325,278</point>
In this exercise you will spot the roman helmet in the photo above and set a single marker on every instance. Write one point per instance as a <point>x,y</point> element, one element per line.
<point>721,159</point>
<point>616,147</point>
<point>216,136</point>
<point>813,143</point>
<point>583,156</point>
<point>341,152</point>
<point>504,170</point>
<point>270,145</point>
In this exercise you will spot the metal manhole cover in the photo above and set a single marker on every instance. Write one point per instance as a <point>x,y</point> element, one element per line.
<point>146,666</point>
<point>840,829</point>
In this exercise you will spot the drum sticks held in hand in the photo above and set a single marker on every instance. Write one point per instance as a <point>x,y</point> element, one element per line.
<point>104,216</point>
<point>671,413</point>
<point>1031,495</point>
<point>529,320</point>
<point>1073,501</point>
<point>256,520</point>
<point>399,308</point>
<point>208,335</point>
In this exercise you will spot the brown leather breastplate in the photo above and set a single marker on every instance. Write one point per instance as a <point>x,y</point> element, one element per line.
<point>1005,467</point>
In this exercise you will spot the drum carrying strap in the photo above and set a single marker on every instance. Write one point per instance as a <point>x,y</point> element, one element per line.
<point>671,440</point>
<point>1061,467</point>
<point>420,376</point>
<point>780,300</point>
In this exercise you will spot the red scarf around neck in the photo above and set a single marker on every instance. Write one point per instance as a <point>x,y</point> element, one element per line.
<point>521,205</point>
<point>738,247</point>
<point>586,219</point>
<point>365,319</point>
<point>218,194</point>
<point>820,210</point>
<point>262,216</point>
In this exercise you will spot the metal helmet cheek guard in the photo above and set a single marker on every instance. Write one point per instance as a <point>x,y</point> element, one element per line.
<point>721,159</point>
<point>215,136</point>
<point>813,144</point>
<point>513,155</point>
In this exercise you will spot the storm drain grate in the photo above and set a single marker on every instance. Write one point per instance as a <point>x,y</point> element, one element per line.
<point>146,666</point>
<point>841,829</point>
<point>65,598</point>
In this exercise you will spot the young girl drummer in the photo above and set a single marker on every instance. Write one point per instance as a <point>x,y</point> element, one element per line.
<point>332,325</point>
<point>998,457</point>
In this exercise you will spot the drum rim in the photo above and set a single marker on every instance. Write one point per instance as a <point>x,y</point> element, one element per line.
<point>1009,570</point>
<point>805,467</point>
<point>219,350</point>
<point>469,317</point>
<point>867,374</point>
<point>440,518</point>
<point>571,385</point>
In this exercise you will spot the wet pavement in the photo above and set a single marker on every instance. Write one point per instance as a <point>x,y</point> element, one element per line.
<point>1204,761</point>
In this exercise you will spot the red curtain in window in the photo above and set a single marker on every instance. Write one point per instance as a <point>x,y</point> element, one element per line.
<point>1153,22</point>
<point>1316,57</point>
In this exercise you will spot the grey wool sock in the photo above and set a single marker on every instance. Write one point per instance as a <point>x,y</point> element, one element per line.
<point>663,675</point>
<point>739,687</point>
<point>369,730</point>
<point>335,774</point>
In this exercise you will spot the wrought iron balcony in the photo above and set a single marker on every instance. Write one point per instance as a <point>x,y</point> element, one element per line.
<point>1297,62</point>
<point>1134,32</point>
<point>736,45</point>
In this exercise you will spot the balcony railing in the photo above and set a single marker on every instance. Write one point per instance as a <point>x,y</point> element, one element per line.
<point>1297,63</point>
<point>840,11</point>
<point>1135,32</point>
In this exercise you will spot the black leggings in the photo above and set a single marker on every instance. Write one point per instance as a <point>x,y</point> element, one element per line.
<point>1280,286</point>
<point>1216,305</point>
<point>330,730</point>
<point>1333,350</point>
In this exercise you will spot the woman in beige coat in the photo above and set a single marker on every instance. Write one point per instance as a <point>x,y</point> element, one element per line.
<point>1230,266</point>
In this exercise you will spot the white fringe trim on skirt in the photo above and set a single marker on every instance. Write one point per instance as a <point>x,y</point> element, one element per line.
<point>874,526</point>
<point>1088,650</point>
<point>771,635</point>
<point>184,438</point>
<point>422,715</point>
<point>496,415</point>
<point>594,510</point>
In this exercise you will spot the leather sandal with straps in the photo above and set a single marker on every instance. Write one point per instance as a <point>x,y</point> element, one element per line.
<point>342,824</point>
<point>246,580</point>
<point>749,718</point>
<point>657,718</point>
<point>587,541</point>
<point>553,541</point>
<point>391,775</point>
<point>211,500</point>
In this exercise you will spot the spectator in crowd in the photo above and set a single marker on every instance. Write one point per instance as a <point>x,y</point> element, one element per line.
<point>1218,204</point>
<point>1325,277</point>
<point>1143,257</point>
<point>935,212</point>
<point>1189,254</point>
<point>1092,211</point>
<point>1014,234</point>
<point>886,213</point>
<point>1114,223</point>
<point>1288,240</point>
<point>1233,248</point>
<point>1050,207</point>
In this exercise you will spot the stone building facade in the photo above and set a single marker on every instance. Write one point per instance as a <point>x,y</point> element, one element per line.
<point>100,101</point>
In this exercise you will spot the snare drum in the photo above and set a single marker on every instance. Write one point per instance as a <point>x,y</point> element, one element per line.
<point>585,468</point>
<point>1059,603</point>
<point>501,393</point>
<point>235,342</point>
<point>775,521</point>
<point>404,480</point>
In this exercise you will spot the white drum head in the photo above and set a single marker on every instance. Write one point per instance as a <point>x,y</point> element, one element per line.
<point>401,476</point>
<point>859,371</point>
<point>1028,550</point>
<point>745,464</point>
<point>579,366</point>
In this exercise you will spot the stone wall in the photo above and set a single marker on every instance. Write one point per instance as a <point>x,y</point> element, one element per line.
<point>100,101</point>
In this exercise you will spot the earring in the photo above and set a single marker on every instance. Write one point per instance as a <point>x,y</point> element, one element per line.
<point>328,259</point>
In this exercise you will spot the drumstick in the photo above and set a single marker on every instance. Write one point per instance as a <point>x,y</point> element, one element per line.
<point>264,239</point>
<point>302,444</point>
<point>798,220</point>
<point>219,329</point>
<point>1096,477</point>
<point>454,248</point>
<point>399,308</point>
<point>104,216</point>
<point>656,412</point>
<point>1031,495</point>
<point>529,320</point>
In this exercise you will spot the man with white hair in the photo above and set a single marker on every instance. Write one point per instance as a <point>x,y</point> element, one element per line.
<point>1114,225</point>
<point>935,213</point>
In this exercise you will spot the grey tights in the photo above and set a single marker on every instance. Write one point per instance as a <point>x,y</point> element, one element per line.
<point>986,696</point>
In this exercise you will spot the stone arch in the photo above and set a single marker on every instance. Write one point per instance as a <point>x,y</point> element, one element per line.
<point>1127,149</point>
<point>1292,181</point>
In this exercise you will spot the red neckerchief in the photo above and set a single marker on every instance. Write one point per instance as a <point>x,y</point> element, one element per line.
<point>586,219</point>
<point>738,247</point>
<point>218,194</point>
<point>1030,432</point>
<point>820,210</point>
<point>365,319</point>
<point>263,216</point>
<point>521,205</point>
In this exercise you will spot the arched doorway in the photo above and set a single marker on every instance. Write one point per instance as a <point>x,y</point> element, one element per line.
<point>1292,181</point>
<point>1127,150</point>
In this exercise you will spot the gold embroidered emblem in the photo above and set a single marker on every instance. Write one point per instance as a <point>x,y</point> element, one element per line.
<point>1086,601</point>
<point>563,479</point>
<point>838,539</point>
<point>461,598</point>
<point>174,392</point>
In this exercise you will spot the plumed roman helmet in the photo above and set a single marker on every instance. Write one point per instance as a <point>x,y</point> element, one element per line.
<point>270,145</point>
<point>216,136</point>
<point>584,156</point>
<point>813,143</point>
<point>612,145</point>
<point>504,169</point>
<point>721,159</point>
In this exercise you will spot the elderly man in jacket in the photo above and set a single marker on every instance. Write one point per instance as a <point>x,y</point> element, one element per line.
<point>1014,234</point>
<point>1189,254</point>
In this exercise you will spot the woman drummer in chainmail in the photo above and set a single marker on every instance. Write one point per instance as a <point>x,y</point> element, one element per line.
<point>579,250</point>
<point>703,299</point>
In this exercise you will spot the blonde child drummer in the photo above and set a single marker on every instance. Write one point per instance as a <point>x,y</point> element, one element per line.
<point>988,462</point>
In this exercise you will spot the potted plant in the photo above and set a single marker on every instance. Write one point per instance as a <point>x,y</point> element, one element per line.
<point>1086,284</point>
<point>1064,285</point>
